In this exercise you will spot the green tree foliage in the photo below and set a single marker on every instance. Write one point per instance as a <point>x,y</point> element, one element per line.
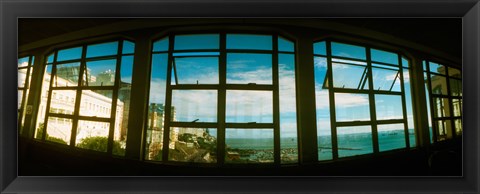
<point>40,130</point>
<point>100,144</point>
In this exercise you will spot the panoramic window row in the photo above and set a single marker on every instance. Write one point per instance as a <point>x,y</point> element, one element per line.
<point>230,98</point>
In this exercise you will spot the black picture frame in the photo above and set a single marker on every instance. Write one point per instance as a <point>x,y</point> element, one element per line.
<point>469,10</point>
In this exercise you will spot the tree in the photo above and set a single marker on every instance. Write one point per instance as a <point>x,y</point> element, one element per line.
<point>100,144</point>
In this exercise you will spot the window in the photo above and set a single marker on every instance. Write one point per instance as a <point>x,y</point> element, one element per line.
<point>25,67</point>
<point>363,100</point>
<point>444,97</point>
<point>86,104</point>
<point>222,98</point>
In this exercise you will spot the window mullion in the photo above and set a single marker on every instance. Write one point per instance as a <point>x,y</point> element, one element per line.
<point>221,108</point>
<point>276,102</point>
<point>76,110</point>
<point>404,104</point>
<point>168,102</point>
<point>49,99</point>
<point>331,93</point>
<point>113,111</point>
<point>432,105</point>
<point>373,115</point>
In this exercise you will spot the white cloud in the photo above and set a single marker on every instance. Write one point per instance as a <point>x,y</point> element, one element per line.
<point>350,100</point>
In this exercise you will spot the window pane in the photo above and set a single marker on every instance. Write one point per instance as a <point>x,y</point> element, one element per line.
<point>349,51</point>
<point>427,94</point>
<point>63,101</point>
<point>128,47</point>
<point>98,103</point>
<point>196,70</point>
<point>92,135</point>
<point>19,100</point>
<point>440,107</point>
<point>444,130</point>
<point>195,54</point>
<point>194,105</point>
<point>319,48</point>
<point>126,70</point>
<point>285,45</point>
<point>437,68</point>
<point>193,145</point>
<point>455,87</point>
<point>386,80</point>
<point>69,54</point>
<point>249,145</point>
<point>22,76</point>
<point>350,76</point>
<point>249,68</point>
<point>458,126</point>
<point>439,84</point>
<point>457,107</point>
<point>104,49</point>
<point>161,45</point>
<point>322,100</point>
<point>23,62</point>
<point>101,73</point>
<point>203,41</point>
<point>388,107</point>
<point>121,120</point>
<point>352,107</point>
<point>154,135</point>
<point>288,111</point>
<point>247,41</point>
<point>67,75</point>
<point>42,108</point>
<point>58,130</point>
<point>409,107</point>
<point>453,72</point>
<point>249,106</point>
<point>405,63</point>
<point>384,56</point>
<point>391,136</point>
<point>354,141</point>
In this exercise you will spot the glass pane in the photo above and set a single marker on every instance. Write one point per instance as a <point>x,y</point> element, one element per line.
<point>249,68</point>
<point>285,45</point>
<point>439,84</point>
<point>22,76</point>
<point>50,58</point>
<point>198,41</point>
<point>247,41</point>
<point>104,49</point>
<point>453,72</point>
<point>249,106</point>
<point>101,73</point>
<point>249,145</point>
<point>319,48</point>
<point>196,70</point>
<point>42,108</point>
<point>391,136</point>
<point>437,68</point>
<point>193,145</point>
<point>427,100</point>
<point>347,50</point>
<point>354,140</point>
<point>58,130</point>
<point>160,45</point>
<point>424,66</point>
<point>457,107</point>
<point>67,75</point>
<point>195,54</point>
<point>386,80</point>
<point>440,107</point>
<point>92,135</point>
<point>63,101</point>
<point>322,101</point>
<point>98,103</point>
<point>458,127</point>
<point>69,54</point>
<point>352,107</point>
<point>194,105</point>
<point>456,87</point>
<point>444,130</point>
<point>409,107</point>
<point>19,100</point>
<point>128,47</point>
<point>384,56</point>
<point>350,76</point>
<point>405,63</point>
<point>23,62</point>
<point>388,107</point>
<point>121,120</point>
<point>126,70</point>
<point>288,108</point>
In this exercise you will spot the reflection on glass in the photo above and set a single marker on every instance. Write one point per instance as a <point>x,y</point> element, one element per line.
<point>455,87</point>
<point>194,105</point>
<point>193,145</point>
<point>196,70</point>
<point>384,56</point>
<point>324,133</point>
<point>440,107</point>
<point>98,103</point>
<point>391,136</point>
<point>63,101</point>
<point>249,106</point>
<point>439,84</point>
<point>103,49</point>
<point>458,127</point>
<point>58,130</point>
<point>388,107</point>
<point>128,47</point>
<point>352,107</point>
<point>386,80</point>
<point>249,146</point>
<point>288,113</point>
<point>160,45</point>
<point>69,54</point>
<point>67,75</point>
<point>285,45</point>
<point>453,72</point>
<point>248,41</point>
<point>350,76</point>
<point>93,135</point>
<point>197,41</point>
<point>249,68</point>
<point>319,48</point>
<point>457,107</point>
<point>353,141</point>
<point>100,73</point>
<point>437,68</point>
<point>347,50</point>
